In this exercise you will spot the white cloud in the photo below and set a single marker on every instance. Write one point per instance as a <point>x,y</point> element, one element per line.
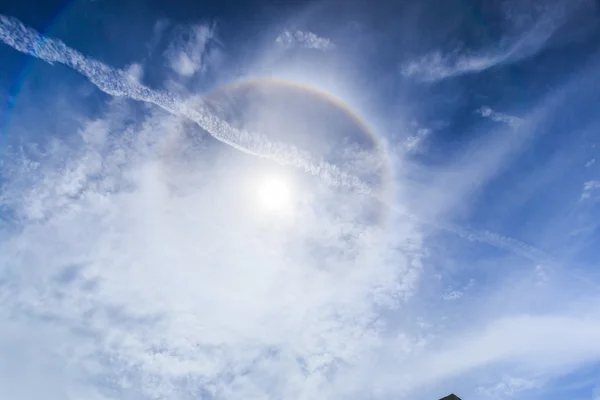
<point>415,142</point>
<point>134,73</point>
<point>436,66</point>
<point>533,348</point>
<point>508,387</point>
<point>192,53</point>
<point>510,120</point>
<point>137,267</point>
<point>590,163</point>
<point>453,295</point>
<point>527,39</point>
<point>138,245</point>
<point>541,275</point>
<point>308,40</point>
<point>590,188</point>
<point>116,83</point>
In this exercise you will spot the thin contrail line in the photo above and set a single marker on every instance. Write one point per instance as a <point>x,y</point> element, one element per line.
<point>116,83</point>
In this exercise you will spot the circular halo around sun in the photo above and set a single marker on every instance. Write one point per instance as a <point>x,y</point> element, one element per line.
<point>315,124</point>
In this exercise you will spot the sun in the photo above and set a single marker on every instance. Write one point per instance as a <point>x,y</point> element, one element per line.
<point>274,193</point>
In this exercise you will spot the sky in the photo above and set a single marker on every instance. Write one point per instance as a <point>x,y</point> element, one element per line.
<point>297,200</point>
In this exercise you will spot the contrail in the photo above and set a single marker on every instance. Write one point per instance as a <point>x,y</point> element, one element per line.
<point>116,83</point>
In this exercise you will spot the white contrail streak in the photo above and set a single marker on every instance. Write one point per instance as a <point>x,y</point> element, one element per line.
<point>116,83</point>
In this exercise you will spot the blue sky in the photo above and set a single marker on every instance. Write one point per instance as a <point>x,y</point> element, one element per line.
<point>326,199</point>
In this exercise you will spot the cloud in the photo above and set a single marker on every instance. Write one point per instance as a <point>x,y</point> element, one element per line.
<point>166,283</point>
<point>134,73</point>
<point>589,190</point>
<point>415,142</point>
<point>437,66</point>
<point>135,263</point>
<point>508,387</point>
<point>169,285</point>
<point>525,40</point>
<point>117,83</point>
<point>308,40</point>
<point>541,275</point>
<point>510,120</point>
<point>113,82</point>
<point>193,51</point>
<point>453,295</point>
<point>533,348</point>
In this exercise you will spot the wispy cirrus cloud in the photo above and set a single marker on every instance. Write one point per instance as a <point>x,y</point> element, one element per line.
<point>161,275</point>
<point>169,285</point>
<point>496,116</point>
<point>194,51</point>
<point>415,142</point>
<point>518,341</point>
<point>134,262</point>
<point>308,40</point>
<point>116,83</point>
<point>437,66</point>
<point>508,387</point>
<point>590,190</point>
<point>531,34</point>
<point>453,295</point>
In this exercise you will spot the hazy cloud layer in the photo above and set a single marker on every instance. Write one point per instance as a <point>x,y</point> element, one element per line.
<point>160,275</point>
<point>445,255</point>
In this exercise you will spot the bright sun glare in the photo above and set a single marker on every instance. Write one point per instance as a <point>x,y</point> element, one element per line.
<point>274,193</point>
